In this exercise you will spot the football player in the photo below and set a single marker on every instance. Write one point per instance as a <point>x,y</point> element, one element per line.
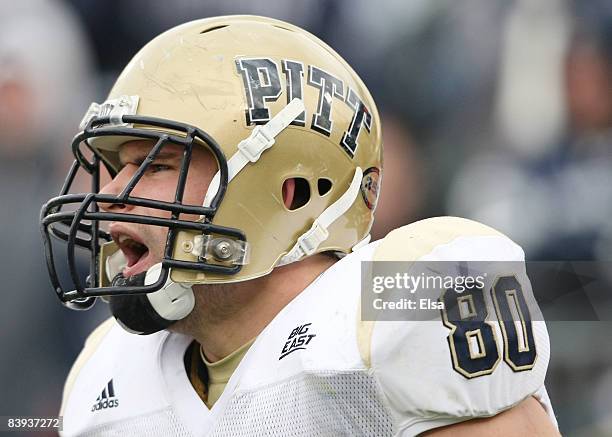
<point>245,158</point>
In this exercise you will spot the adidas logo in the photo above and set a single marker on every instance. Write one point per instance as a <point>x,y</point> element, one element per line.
<point>107,398</point>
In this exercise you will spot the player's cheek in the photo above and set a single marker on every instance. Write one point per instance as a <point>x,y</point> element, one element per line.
<point>195,191</point>
<point>159,187</point>
<point>155,236</point>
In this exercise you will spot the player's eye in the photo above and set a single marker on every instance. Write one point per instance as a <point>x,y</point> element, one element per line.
<point>156,168</point>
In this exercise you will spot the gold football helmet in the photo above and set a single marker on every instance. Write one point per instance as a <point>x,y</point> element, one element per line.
<point>271,102</point>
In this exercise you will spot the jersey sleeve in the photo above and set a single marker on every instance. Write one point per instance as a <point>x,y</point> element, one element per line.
<point>484,350</point>
<point>91,345</point>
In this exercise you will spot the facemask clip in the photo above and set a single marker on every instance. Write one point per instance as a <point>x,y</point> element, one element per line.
<point>220,250</point>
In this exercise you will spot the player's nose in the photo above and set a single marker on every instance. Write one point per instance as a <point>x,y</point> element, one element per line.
<point>113,190</point>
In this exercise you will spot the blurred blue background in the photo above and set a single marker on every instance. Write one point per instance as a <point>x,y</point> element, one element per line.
<point>496,110</point>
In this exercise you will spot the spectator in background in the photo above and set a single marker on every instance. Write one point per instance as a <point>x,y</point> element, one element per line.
<point>45,74</point>
<point>550,181</point>
<point>439,79</point>
<point>116,36</point>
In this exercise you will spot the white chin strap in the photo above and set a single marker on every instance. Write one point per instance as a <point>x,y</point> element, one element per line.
<point>173,301</point>
<point>309,241</point>
<point>251,148</point>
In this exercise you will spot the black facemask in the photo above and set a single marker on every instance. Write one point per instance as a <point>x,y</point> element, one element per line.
<point>75,218</point>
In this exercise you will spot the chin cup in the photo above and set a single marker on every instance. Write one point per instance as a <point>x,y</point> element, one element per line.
<point>149,313</point>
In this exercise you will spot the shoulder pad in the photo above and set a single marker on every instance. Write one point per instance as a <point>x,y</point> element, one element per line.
<point>466,360</point>
<point>91,344</point>
<point>419,239</point>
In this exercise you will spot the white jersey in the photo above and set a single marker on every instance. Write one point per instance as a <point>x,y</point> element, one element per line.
<point>317,368</point>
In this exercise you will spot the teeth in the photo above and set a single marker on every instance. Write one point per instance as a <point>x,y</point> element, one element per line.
<point>123,239</point>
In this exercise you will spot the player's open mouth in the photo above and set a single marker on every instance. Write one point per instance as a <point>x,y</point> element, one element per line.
<point>136,253</point>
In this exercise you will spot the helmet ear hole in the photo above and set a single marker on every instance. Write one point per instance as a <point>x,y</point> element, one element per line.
<point>296,193</point>
<point>324,186</point>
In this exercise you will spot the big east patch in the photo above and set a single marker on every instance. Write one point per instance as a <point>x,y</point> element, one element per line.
<point>262,84</point>
<point>297,340</point>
